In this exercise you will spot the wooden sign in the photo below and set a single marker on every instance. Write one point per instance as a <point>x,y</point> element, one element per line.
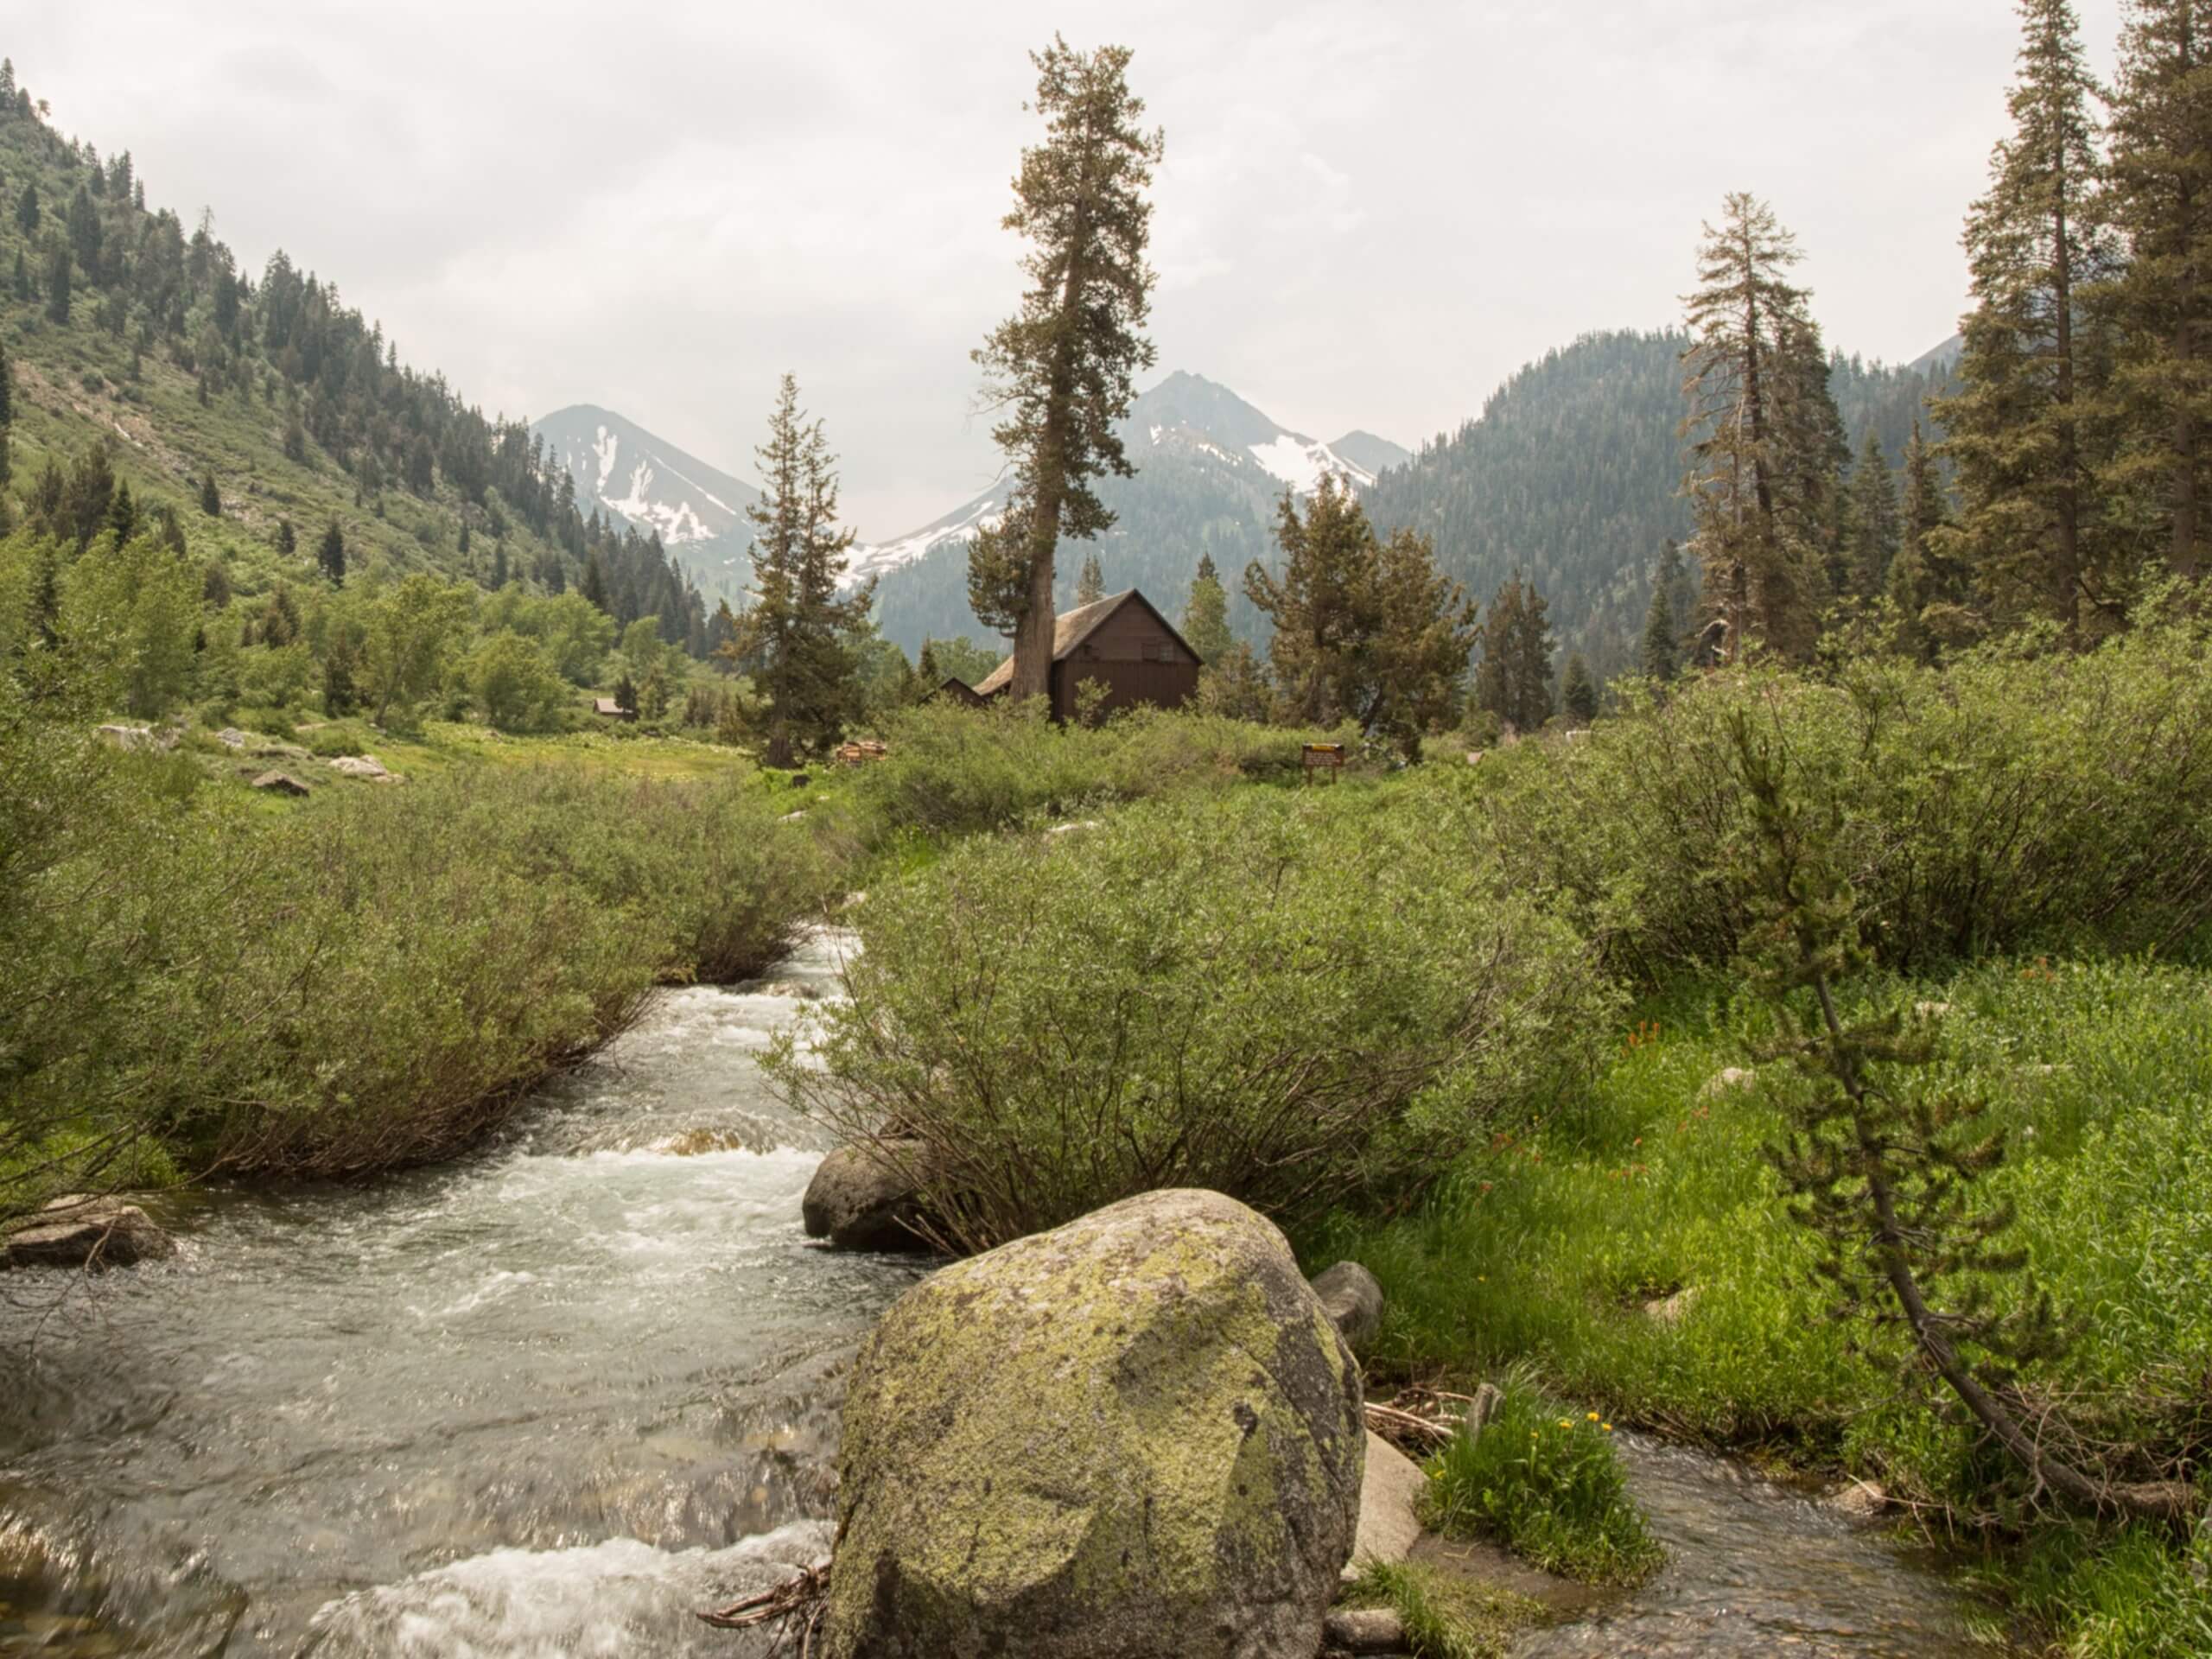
<point>1324,760</point>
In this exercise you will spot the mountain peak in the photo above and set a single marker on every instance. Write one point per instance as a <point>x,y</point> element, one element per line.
<point>623,470</point>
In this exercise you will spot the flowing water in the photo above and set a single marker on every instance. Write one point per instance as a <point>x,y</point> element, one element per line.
<point>545,1402</point>
<point>1755,1568</point>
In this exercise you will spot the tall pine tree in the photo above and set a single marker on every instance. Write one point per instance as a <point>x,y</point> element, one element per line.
<point>1090,580</point>
<point>2021,431</point>
<point>1661,655</point>
<point>1873,521</point>
<point>798,630</point>
<point>1205,617</point>
<point>1063,366</point>
<point>1762,433</point>
<point>2160,202</point>
<point>1928,585</point>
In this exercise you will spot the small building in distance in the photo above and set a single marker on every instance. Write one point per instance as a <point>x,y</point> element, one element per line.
<point>1123,643</point>
<point>956,689</point>
<point>608,708</point>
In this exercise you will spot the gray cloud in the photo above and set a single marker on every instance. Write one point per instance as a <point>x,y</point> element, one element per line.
<point>1370,215</point>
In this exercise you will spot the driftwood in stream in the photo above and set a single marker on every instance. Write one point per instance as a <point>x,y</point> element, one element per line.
<point>800,1598</point>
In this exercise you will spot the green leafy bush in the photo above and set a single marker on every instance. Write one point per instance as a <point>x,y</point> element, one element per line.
<point>2007,801</point>
<point>953,770</point>
<point>371,978</point>
<point>1289,997</point>
<point>1545,1481</point>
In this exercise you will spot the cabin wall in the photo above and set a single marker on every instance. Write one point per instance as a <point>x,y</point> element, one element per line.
<point>1134,658</point>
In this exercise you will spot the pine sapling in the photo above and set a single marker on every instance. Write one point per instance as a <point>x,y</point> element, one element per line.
<point>1888,1176</point>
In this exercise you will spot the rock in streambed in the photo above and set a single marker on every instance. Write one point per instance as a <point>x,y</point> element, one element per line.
<point>866,1197</point>
<point>80,1231</point>
<point>1137,1436</point>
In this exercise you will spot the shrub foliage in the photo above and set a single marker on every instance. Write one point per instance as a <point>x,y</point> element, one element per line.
<point>1288,998</point>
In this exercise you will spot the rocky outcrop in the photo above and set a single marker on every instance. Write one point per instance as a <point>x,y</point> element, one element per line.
<point>78,1231</point>
<point>866,1197</point>
<point>362,765</point>
<point>280,783</point>
<point>139,737</point>
<point>1138,1435</point>
<point>1352,1298</point>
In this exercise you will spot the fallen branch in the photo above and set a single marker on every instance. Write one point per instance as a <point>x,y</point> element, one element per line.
<point>1390,1422</point>
<point>801,1596</point>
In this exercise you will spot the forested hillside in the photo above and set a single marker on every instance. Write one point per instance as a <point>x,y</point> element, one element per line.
<point>1573,475</point>
<point>247,414</point>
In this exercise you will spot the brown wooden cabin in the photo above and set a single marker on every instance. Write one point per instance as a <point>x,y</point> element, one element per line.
<point>608,708</point>
<point>1123,643</point>
<point>956,689</point>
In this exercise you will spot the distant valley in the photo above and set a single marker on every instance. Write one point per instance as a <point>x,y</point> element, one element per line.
<point>1570,474</point>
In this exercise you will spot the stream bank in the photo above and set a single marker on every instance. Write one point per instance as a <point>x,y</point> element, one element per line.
<point>552,1398</point>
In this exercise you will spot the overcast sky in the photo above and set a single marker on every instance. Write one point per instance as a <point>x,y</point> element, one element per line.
<point>1368,216</point>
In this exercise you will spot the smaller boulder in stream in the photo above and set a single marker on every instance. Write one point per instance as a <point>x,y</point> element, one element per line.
<point>79,1232</point>
<point>1354,1300</point>
<point>866,1197</point>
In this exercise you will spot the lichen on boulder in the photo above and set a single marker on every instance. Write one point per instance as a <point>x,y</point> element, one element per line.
<point>1138,1434</point>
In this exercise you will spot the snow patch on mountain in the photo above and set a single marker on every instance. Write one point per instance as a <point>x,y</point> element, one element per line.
<point>987,511</point>
<point>1301,463</point>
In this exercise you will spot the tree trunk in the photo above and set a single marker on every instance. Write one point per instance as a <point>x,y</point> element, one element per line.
<point>1033,629</point>
<point>2066,571</point>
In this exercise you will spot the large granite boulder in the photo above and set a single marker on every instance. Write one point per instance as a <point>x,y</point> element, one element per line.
<point>87,1232</point>
<point>1136,1436</point>
<point>865,1197</point>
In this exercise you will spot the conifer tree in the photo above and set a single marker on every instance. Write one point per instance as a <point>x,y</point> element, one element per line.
<point>288,540</point>
<point>1063,366</point>
<point>26,290</point>
<point>7,389</point>
<point>1205,616</point>
<point>1928,584</point>
<point>2021,430</point>
<point>338,696</point>
<point>330,555</point>
<point>1513,678</point>
<point>1762,433</point>
<point>1661,656</point>
<point>46,594</point>
<point>122,516</point>
<point>1873,521</point>
<point>57,282</point>
<point>801,633</point>
<point>1090,580</point>
<point>211,499</point>
<point>2160,202</point>
<point>1883,1173</point>
<point>1365,629</point>
<point>593,587</point>
<point>1578,691</point>
<point>27,208</point>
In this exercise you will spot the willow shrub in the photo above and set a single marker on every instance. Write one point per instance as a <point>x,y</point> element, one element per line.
<point>2013,798</point>
<point>954,770</point>
<point>371,978</point>
<point>1294,998</point>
